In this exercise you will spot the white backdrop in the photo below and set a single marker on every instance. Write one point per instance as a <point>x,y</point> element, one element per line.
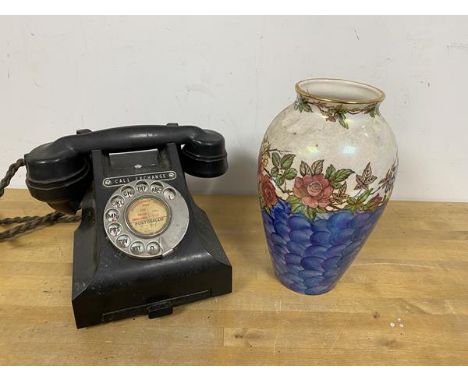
<point>233,75</point>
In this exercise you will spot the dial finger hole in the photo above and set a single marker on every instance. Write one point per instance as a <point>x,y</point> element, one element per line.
<point>112,215</point>
<point>169,194</point>
<point>153,248</point>
<point>123,241</point>
<point>141,187</point>
<point>137,248</point>
<point>115,229</point>
<point>128,191</point>
<point>156,187</point>
<point>117,201</point>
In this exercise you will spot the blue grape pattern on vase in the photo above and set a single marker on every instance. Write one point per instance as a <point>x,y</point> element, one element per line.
<point>310,256</point>
<point>317,218</point>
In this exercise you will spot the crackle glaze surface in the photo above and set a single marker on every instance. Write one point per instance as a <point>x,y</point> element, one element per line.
<point>325,173</point>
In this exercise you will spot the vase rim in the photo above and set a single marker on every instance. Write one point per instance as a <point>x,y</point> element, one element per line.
<point>336,90</point>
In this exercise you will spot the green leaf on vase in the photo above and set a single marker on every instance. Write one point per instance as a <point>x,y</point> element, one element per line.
<point>350,200</point>
<point>374,111</point>
<point>275,157</point>
<point>302,105</point>
<point>274,172</point>
<point>362,198</point>
<point>287,161</point>
<point>336,185</point>
<point>330,171</point>
<point>309,212</point>
<point>317,167</point>
<point>290,173</point>
<point>293,200</point>
<point>305,169</point>
<point>341,117</point>
<point>296,208</point>
<point>341,175</point>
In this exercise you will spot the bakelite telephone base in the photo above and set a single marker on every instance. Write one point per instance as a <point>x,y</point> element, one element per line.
<point>110,285</point>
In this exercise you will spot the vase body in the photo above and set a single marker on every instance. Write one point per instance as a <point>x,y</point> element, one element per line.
<point>326,170</point>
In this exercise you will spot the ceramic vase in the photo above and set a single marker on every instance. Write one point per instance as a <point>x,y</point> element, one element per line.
<point>326,170</point>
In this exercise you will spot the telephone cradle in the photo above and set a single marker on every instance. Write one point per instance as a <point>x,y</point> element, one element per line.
<point>143,246</point>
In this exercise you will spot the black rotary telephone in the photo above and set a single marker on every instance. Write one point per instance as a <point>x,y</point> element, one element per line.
<point>143,245</point>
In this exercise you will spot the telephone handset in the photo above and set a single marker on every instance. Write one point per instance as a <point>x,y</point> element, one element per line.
<point>143,245</point>
<point>59,172</point>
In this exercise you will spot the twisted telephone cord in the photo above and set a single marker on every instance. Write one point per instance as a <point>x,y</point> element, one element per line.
<point>29,222</point>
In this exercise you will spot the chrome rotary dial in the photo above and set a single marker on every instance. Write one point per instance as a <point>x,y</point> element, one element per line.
<point>146,219</point>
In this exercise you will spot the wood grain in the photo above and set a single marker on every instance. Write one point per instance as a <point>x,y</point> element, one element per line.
<point>403,301</point>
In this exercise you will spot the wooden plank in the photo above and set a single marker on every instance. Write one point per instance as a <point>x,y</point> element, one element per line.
<point>403,301</point>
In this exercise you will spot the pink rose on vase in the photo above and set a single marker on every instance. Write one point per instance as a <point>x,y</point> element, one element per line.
<point>313,190</point>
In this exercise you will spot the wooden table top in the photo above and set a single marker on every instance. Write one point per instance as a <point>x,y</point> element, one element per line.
<point>403,301</point>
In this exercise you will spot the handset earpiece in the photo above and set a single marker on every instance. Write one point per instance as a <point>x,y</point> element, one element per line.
<point>205,156</point>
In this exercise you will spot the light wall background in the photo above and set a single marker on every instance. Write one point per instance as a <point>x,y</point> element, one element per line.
<point>233,75</point>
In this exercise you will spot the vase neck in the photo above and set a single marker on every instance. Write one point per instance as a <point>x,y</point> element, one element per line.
<point>335,96</point>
